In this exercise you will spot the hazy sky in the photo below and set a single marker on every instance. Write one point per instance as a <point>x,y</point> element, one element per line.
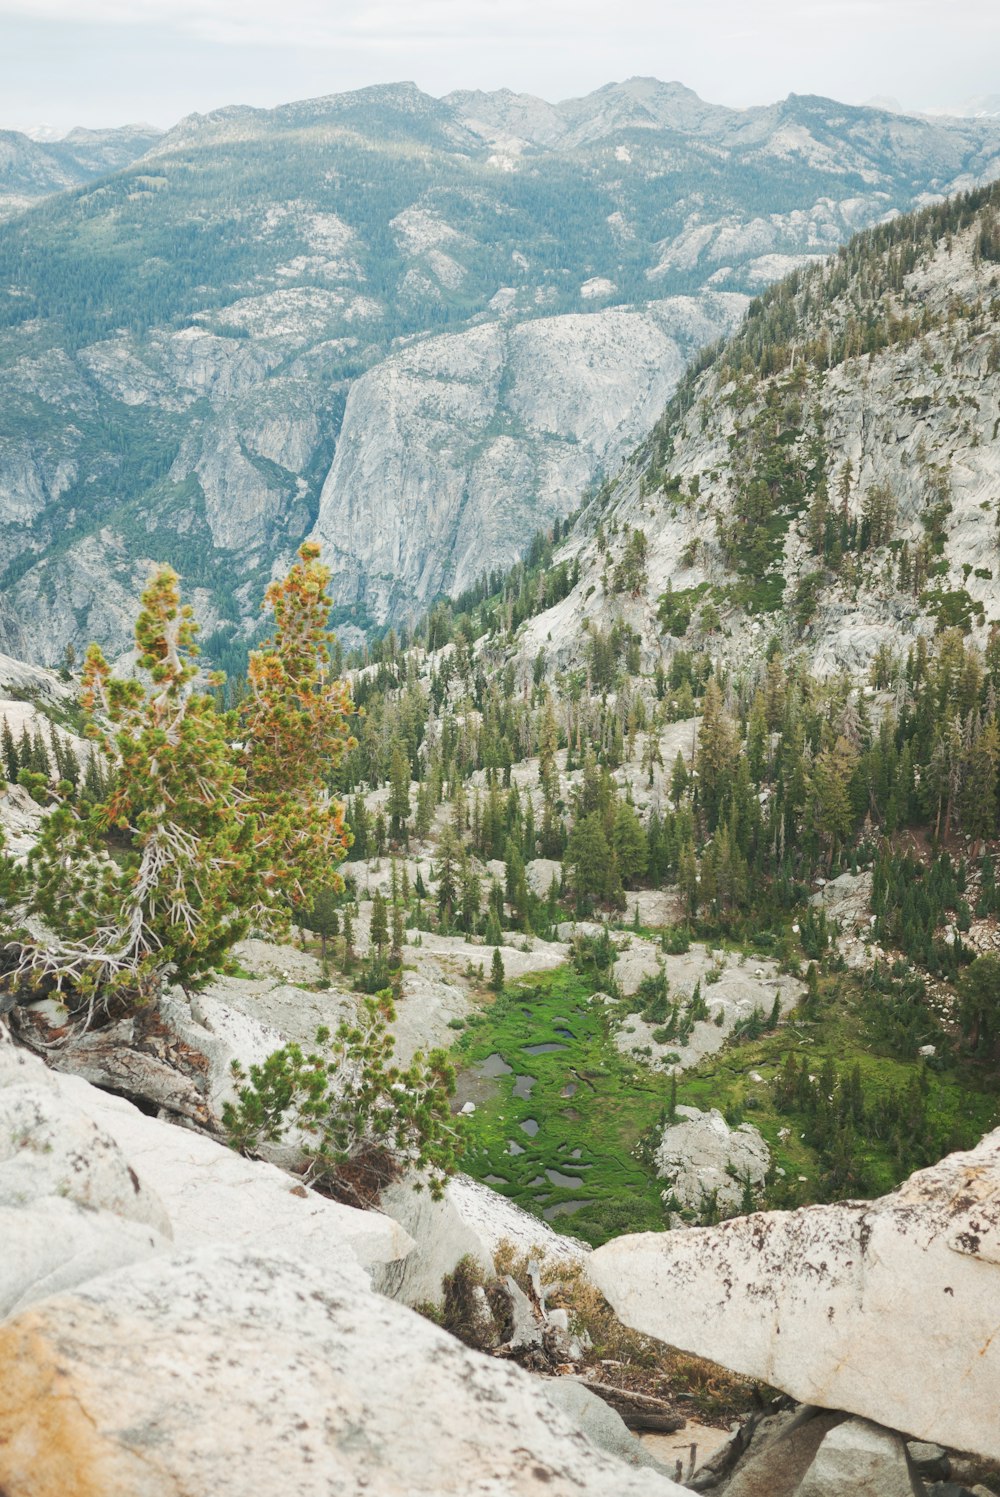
<point>98,62</point>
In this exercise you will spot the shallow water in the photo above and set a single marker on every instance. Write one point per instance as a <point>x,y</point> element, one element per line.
<point>567,1182</point>
<point>530,1126</point>
<point>493,1066</point>
<point>564,1208</point>
<point>523,1085</point>
<point>541,1049</point>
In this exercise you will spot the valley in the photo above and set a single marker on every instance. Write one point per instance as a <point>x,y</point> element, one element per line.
<point>510,936</point>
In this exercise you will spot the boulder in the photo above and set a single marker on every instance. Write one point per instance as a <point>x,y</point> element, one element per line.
<point>598,1421</point>
<point>48,1147</point>
<point>700,1156</point>
<point>540,872</point>
<point>469,1221</point>
<point>228,1372</point>
<point>215,1195</point>
<point>57,1244</point>
<point>863,1459</point>
<point>810,1300</point>
<point>781,1451</point>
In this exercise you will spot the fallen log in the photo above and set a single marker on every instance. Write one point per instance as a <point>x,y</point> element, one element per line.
<point>639,1410</point>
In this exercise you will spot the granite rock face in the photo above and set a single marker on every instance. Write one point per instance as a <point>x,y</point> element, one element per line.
<point>456,449</point>
<point>811,1301</point>
<point>228,1371</point>
<point>911,425</point>
<point>700,1157</point>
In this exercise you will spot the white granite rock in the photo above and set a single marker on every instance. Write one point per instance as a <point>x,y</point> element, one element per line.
<point>56,1244</point>
<point>213,1195</point>
<point>600,1423</point>
<point>863,1459</point>
<point>229,1372</point>
<point>700,1156</point>
<point>469,1221</point>
<point>833,1304</point>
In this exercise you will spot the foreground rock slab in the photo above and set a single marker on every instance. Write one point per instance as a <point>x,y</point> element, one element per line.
<point>227,1372</point>
<point>887,1309</point>
<point>214,1195</point>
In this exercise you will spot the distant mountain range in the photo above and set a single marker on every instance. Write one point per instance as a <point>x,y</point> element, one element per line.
<point>32,168</point>
<point>414,327</point>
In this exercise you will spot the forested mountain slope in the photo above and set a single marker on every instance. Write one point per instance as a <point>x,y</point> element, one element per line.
<point>184,343</point>
<point>830,481</point>
<point>31,170</point>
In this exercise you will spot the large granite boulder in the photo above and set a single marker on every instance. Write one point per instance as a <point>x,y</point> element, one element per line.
<point>57,1244</point>
<point>48,1147</point>
<point>228,1372</point>
<point>886,1309</point>
<point>702,1159</point>
<point>71,1205</point>
<point>214,1195</point>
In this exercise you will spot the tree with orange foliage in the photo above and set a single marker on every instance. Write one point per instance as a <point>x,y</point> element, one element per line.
<point>202,834</point>
<point>295,732</point>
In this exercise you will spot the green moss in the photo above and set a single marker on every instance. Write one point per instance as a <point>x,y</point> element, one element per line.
<point>612,1106</point>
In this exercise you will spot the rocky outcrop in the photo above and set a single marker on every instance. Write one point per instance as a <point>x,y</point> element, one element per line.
<point>213,1195</point>
<point>810,1301</point>
<point>910,424</point>
<point>703,1160</point>
<point>470,1221</point>
<point>65,1140</point>
<point>456,449</point>
<point>228,1371</point>
<point>71,1205</point>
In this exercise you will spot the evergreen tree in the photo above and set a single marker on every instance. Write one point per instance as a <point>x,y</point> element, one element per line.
<point>629,844</point>
<point>380,922</point>
<point>497,975</point>
<point>399,794</point>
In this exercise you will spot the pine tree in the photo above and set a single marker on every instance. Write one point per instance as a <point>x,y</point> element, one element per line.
<point>186,888</point>
<point>589,859</point>
<point>322,917</point>
<point>497,975</point>
<point>294,724</point>
<point>717,750</point>
<point>399,793</point>
<point>223,825</point>
<point>8,748</point>
<point>628,842</point>
<point>380,922</point>
<point>979,788</point>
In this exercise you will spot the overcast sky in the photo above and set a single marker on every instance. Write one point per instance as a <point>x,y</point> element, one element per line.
<point>98,62</point>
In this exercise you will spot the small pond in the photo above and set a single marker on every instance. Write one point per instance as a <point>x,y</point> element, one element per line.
<point>564,1208</point>
<point>493,1066</point>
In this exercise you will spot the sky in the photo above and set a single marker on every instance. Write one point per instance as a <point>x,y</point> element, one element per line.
<point>108,62</point>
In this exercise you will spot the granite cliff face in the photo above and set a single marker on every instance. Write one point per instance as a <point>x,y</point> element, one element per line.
<point>237,341</point>
<point>453,450</point>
